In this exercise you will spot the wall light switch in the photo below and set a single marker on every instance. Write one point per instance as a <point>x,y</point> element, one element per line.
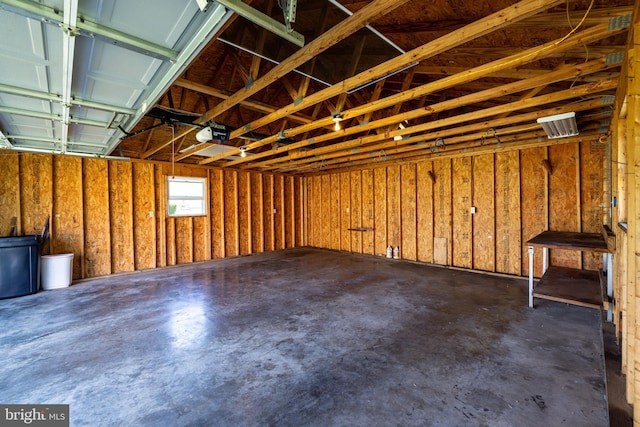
<point>472,210</point>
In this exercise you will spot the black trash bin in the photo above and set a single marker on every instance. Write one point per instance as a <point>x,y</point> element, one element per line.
<point>19,265</point>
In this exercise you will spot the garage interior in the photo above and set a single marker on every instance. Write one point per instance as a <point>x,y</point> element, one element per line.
<point>377,183</point>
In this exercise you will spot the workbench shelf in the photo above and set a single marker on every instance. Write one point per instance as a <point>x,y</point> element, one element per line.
<point>570,285</point>
<point>585,288</point>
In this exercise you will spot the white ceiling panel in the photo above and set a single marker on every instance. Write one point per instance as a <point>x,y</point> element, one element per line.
<point>124,55</point>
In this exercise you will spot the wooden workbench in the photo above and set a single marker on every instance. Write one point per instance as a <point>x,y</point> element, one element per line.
<point>571,285</point>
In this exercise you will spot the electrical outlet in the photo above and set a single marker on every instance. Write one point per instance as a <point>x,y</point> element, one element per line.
<point>472,210</point>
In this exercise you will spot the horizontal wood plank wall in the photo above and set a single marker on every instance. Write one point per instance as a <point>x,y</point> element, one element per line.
<point>112,215</point>
<point>424,207</point>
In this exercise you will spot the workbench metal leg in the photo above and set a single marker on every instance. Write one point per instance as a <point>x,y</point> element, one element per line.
<point>608,264</point>
<point>545,260</point>
<point>530,276</point>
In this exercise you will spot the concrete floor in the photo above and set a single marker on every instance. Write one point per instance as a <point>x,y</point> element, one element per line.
<point>304,337</point>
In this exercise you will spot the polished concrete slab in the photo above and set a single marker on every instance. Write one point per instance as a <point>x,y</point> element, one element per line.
<point>304,337</point>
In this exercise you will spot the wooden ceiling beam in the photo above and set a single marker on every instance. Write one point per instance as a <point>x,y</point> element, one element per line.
<point>418,145</point>
<point>387,144</point>
<point>517,73</point>
<point>520,144</point>
<point>493,22</point>
<point>547,20</point>
<point>350,25</point>
<point>303,87</point>
<point>293,93</point>
<point>252,105</point>
<point>586,89</point>
<point>148,138</point>
<point>406,85</point>
<point>375,95</point>
<point>239,67</point>
<point>577,52</point>
<point>468,75</point>
<point>479,28</point>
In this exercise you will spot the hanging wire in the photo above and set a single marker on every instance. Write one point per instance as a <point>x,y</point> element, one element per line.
<point>569,34</point>
<point>173,152</point>
<point>586,48</point>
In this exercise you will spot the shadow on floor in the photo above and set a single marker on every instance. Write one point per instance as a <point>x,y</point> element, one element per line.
<point>620,412</point>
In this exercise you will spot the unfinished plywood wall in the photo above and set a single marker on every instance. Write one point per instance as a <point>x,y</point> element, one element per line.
<point>112,215</point>
<point>67,224</point>
<point>625,213</point>
<point>472,212</point>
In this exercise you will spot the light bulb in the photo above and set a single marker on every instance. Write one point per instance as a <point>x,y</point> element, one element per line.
<point>243,152</point>
<point>336,119</point>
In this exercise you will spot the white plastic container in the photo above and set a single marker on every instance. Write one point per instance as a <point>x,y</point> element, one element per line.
<point>56,271</point>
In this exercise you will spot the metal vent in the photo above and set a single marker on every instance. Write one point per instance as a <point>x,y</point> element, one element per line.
<point>607,99</point>
<point>614,58</point>
<point>619,22</point>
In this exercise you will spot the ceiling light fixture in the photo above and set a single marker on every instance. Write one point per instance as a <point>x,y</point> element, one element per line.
<point>337,118</point>
<point>560,125</point>
<point>243,152</point>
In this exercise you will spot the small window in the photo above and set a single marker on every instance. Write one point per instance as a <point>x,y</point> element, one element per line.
<point>186,196</point>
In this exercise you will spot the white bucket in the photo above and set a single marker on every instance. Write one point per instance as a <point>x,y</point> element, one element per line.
<point>57,271</point>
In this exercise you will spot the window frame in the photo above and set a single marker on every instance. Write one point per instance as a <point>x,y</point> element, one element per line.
<point>186,179</point>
